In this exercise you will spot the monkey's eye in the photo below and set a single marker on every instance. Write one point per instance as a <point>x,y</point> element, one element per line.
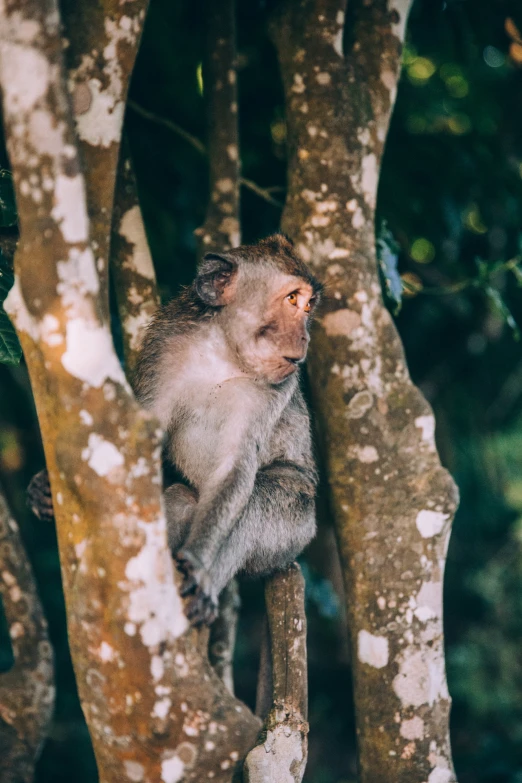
<point>308,307</point>
<point>292,298</point>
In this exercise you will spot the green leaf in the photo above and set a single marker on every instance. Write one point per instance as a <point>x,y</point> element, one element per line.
<point>10,348</point>
<point>8,213</point>
<point>388,257</point>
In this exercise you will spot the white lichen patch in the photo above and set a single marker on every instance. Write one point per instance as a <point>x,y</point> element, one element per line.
<point>157,668</point>
<point>298,85</point>
<point>365,454</point>
<point>132,229</point>
<point>134,770</point>
<point>372,650</point>
<point>101,455</point>
<point>106,653</point>
<point>337,39</point>
<point>341,323</point>
<point>323,78</point>
<point>401,7</point>
<point>441,775</point>
<point>154,603</point>
<point>430,523</point>
<point>172,769</point>
<point>412,729</point>
<point>358,218</point>
<point>369,179</point>
<point>429,602</point>
<point>49,327</point>
<point>421,678</point>
<point>427,426</point>
<point>359,405</point>
<point>77,278</point>
<point>69,208</point>
<point>101,124</point>
<point>161,708</point>
<point>22,94</point>
<point>225,185</point>
<point>280,758</point>
<point>89,354</point>
<point>86,418</point>
<point>134,326</point>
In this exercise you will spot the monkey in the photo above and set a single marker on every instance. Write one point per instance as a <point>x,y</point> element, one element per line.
<point>219,367</point>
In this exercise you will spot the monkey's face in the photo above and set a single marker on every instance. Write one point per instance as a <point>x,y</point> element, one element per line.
<point>266,297</point>
<point>268,325</point>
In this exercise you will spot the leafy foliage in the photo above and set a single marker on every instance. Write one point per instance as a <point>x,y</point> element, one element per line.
<point>388,250</point>
<point>10,348</point>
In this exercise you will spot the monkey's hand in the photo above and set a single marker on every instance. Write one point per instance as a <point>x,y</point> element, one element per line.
<point>39,498</point>
<point>201,604</point>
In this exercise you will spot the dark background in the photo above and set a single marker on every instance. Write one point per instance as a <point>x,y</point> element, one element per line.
<point>451,196</point>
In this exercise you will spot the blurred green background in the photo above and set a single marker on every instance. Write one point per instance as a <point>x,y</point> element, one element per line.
<point>450,202</point>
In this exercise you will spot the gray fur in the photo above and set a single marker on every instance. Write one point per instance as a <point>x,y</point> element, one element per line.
<point>237,426</point>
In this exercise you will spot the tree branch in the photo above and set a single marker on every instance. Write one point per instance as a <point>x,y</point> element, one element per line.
<point>264,193</point>
<point>393,503</point>
<point>131,263</point>
<point>220,230</point>
<point>223,635</point>
<point>27,690</point>
<point>282,748</point>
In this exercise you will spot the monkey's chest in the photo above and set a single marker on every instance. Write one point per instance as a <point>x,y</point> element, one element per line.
<point>217,427</point>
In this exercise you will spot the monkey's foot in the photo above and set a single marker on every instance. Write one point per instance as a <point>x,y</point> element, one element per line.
<point>39,498</point>
<point>200,606</point>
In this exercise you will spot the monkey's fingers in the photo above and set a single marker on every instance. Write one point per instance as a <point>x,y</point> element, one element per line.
<point>188,571</point>
<point>201,610</point>
<point>39,497</point>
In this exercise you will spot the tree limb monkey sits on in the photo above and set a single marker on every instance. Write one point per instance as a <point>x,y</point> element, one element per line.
<point>219,368</point>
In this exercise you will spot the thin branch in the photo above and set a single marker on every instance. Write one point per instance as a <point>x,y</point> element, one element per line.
<point>223,635</point>
<point>170,125</point>
<point>264,193</point>
<point>461,285</point>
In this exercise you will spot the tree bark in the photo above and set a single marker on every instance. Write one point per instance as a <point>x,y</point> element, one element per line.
<point>131,263</point>
<point>221,230</point>
<point>393,503</point>
<point>27,689</point>
<point>155,709</point>
<point>282,749</point>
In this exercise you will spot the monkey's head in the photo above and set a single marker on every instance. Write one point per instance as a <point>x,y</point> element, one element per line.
<point>265,297</point>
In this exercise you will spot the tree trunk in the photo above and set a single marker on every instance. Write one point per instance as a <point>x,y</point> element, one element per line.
<point>27,689</point>
<point>393,503</point>
<point>154,707</point>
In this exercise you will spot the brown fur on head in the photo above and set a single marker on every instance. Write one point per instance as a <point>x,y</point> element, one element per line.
<point>265,296</point>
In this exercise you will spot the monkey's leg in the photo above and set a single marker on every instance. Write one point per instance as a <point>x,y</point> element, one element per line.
<point>39,498</point>
<point>276,525</point>
<point>180,502</point>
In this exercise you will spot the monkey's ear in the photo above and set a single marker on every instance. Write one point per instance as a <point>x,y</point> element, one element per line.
<point>216,280</point>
